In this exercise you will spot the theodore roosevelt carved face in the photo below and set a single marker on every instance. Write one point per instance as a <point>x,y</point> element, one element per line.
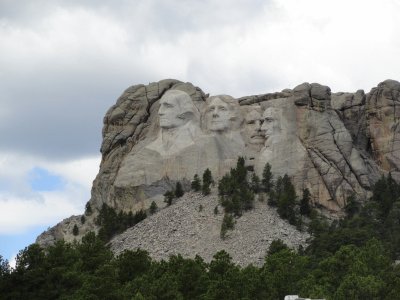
<point>176,109</point>
<point>222,113</point>
<point>252,126</point>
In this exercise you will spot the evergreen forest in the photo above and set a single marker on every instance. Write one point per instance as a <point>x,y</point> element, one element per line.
<point>355,257</point>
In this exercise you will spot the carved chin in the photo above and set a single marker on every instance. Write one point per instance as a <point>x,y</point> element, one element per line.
<point>218,126</point>
<point>257,140</point>
<point>165,124</point>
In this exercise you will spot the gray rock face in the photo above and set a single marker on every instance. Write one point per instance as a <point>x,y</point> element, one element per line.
<point>334,144</point>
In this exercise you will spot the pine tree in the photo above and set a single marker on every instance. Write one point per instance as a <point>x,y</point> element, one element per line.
<point>235,191</point>
<point>168,197</point>
<point>255,183</point>
<point>207,181</point>
<point>88,209</point>
<point>153,207</point>
<point>287,201</point>
<point>75,230</point>
<point>351,206</point>
<point>196,184</point>
<point>178,190</point>
<point>228,223</point>
<point>267,178</point>
<point>305,208</point>
<point>275,192</point>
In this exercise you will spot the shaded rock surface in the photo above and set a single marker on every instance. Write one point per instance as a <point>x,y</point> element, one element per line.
<point>186,228</point>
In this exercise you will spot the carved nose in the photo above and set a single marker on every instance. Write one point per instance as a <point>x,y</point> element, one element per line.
<point>262,128</point>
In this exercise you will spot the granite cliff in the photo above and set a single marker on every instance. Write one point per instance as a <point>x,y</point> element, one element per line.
<point>334,144</point>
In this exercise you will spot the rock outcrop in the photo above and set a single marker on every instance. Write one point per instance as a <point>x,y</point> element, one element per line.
<point>334,144</point>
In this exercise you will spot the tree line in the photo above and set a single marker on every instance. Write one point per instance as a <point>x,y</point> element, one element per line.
<point>351,258</point>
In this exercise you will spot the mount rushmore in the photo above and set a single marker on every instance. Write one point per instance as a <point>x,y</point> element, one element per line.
<point>334,144</point>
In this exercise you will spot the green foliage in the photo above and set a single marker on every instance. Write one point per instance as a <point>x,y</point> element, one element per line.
<point>216,212</point>
<point>88,209</point>
<point>228,223</point>
<point>283,272</point>
<point>131,264</point>
<point>275,192</point>
<point>169,197</point>
<point>255,183</point>
<point>305,208</point>
<point>111,222</point>
<point>75,230</point>
<point>386,191</point>
<point>276,246</point>
<point>153,207</point>
<point>235,191</point>
<point>286,200</point>
<point>179,190</point>
<point>348,259</point>
<point>83,219</point>
<point>196,183</point>
<point>267,178</point>
<point>4,267</point>
<point>352,207</point>
<point>207,181</point>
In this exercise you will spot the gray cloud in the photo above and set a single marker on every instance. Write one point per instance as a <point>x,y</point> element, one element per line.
<point>64,63</point>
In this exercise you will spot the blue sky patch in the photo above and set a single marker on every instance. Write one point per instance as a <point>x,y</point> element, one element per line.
<point>42,180</point>
<point>11,244</point>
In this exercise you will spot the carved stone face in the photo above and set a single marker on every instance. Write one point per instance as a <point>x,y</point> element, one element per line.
<point>252,127</point>
<point>172,109</point>
<point>271,125</point>
<point>218,115</point>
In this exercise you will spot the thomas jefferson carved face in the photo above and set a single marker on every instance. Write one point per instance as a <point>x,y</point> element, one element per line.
<point>252,127</point>
<point>221,114</point>
<point>218,115</point>
<point>271,125</point>
<point>176,109</point>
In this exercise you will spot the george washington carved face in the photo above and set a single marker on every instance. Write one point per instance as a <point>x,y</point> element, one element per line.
<point>176,109</point>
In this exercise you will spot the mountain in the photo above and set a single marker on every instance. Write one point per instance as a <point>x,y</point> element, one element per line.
<point>334,144</point>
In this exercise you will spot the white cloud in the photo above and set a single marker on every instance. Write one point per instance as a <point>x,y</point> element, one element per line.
<point>17,214</point>
<point>81,171</point>
<point>22,208</point>
<point>13,261</point>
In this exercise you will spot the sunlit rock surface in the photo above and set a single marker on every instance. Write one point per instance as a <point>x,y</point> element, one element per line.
<point>334,144</point>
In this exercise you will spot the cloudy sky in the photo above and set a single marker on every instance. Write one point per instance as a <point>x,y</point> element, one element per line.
<point>63,63</point>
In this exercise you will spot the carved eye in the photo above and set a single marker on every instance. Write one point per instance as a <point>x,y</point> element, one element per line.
<point>168,105</point>
<point>211,108</point>
<point>222,108</point>
<point>268,120</point>
<point>251,122</point>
